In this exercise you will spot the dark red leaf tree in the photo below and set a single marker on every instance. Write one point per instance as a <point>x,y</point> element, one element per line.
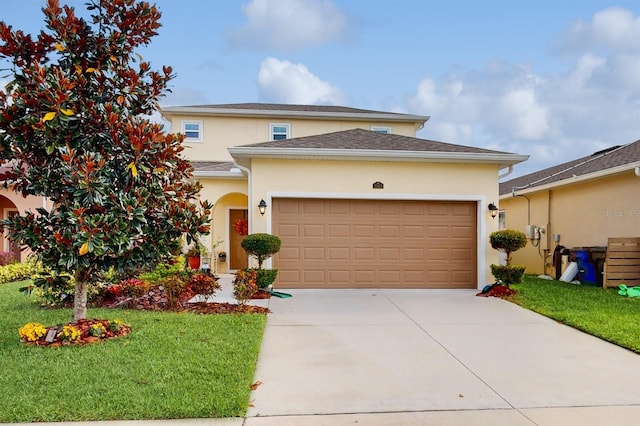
<point>74,128</point>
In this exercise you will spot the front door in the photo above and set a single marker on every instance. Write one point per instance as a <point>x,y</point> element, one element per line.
<point>237,256</point>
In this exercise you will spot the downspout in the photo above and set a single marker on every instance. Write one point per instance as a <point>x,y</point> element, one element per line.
<point>507,173</point>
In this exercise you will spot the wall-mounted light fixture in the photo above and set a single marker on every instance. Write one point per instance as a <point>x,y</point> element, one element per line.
<point>262,207</point>
<point>493,209</point>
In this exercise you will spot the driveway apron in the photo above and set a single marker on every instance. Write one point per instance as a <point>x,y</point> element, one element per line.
<point>433,356</point>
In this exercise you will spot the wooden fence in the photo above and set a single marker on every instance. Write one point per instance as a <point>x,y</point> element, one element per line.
<point>622,265</point>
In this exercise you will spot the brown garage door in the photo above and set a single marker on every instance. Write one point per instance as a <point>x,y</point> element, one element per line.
<point>375,243</point>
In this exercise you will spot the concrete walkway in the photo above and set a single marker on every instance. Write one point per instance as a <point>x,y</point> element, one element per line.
<point>428,357</point>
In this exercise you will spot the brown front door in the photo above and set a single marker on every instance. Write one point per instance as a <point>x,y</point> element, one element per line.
<point>237,255</point>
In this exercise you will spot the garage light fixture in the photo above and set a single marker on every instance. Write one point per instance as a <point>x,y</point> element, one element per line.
<point>493,209</point>
<point>262,207</point>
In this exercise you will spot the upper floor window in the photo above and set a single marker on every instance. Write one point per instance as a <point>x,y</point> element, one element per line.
<point>192,130</point>
<point>381,129</point>
<point>279,132</point>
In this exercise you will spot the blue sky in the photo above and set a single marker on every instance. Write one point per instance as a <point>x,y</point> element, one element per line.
<point>553,79</point>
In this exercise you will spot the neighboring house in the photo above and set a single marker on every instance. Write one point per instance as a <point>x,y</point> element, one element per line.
<point>582,203</point>
<point>12,203</point>
<point>356,198</point>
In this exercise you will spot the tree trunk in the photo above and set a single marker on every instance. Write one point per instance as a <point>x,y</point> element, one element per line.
<point>80,296</point>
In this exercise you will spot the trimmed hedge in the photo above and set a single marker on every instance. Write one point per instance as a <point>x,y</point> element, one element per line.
<point>19,271</point>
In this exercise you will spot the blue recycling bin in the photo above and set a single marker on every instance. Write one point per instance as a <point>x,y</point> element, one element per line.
<point>586,270</point>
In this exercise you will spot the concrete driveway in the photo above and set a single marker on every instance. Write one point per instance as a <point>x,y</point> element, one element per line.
<point>442,357</point>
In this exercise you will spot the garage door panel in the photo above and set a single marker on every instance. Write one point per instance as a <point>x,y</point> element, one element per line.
<point>311,231</point>
<point>315,207</point>
<point>336,231</point>
<point>363,209</point>
<point>289,230</point>
<point>389,231</point>
<point>313,253</point>
<point>363,253</point>
<point>314,276</point>
<point>375,243</point>
<point>413,231</point>
<point>363,277</point>
<point>290,254</point>
<point>389,254</point>
<point>338,253</point>
<point>364,231</point>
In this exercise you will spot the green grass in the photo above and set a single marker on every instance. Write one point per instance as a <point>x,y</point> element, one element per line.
<point>172,365</point>
<point>594,310</point>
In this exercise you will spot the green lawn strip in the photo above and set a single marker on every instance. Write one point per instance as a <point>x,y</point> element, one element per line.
<point>172,365</point>
<point>594,310</point>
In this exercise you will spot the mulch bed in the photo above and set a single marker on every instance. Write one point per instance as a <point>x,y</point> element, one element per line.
<point>156,300</point>
<point>500,291</point>
<point>83,326</point>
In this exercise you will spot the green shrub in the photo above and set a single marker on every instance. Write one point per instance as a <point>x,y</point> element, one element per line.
<point>266,277</point>
<point>508,274</point>
<point>19,271</point>
<point>261,246</point>
<point>162,271</point>
<point>508,241</point>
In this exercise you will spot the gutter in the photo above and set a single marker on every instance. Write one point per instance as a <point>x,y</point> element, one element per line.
<point>574,179</point>
<point>378,155</point>
<point>222,175</point>
<point>518,188</point>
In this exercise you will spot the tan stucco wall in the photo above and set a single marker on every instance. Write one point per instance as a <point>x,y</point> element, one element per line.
<point>221,133</point>
<point>584,214</point>
<point>333,179</point>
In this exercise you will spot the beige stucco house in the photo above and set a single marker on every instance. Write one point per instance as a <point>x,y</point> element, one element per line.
<point>356,198</point>
<point>581,203</point>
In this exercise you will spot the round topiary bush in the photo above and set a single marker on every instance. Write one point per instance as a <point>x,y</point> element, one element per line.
<point>508,241</point>
<point>508,274</point>
<point>261,246</point>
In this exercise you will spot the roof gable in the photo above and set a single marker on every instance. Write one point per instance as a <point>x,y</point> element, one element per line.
<point>366,145</point>
<point>601,161</point>
<point>360,139</point>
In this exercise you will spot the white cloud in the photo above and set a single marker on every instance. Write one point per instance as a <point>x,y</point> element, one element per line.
<point>612,28</point>
<point>289,24</point>
<point>285,82</point>
<point>554,117</point>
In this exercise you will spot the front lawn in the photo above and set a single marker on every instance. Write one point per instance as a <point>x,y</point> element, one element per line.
<point>594,310</point>
<point>172,365</point>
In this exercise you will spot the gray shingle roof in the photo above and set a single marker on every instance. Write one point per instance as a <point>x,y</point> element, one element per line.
<point>290,107</point>
<point>212,166</point>
<point>599,161</point>
<point>360,139</point>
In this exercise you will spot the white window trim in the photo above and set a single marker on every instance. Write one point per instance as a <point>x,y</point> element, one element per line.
<point>386,129</point>
<point>184,130</point>
<point>286,125</point>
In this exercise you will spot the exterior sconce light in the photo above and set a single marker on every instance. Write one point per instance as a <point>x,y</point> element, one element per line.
<point>493,210</point>
<point>262,207</point>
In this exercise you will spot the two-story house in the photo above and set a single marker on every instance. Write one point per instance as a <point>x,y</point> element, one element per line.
<point>356,198</point>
